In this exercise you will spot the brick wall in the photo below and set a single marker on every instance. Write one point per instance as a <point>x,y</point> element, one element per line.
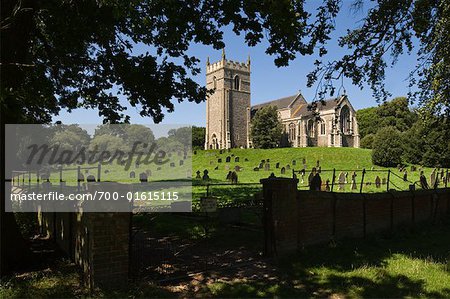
<point>309,217</point>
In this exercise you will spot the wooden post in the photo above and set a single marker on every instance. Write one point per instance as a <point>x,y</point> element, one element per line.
<point>334,177</point>
<point>99,171</point>
<point>388,180</point>
<point>362,180</point>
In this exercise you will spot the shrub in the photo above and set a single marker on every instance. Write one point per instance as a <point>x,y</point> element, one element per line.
<point>367,141</point>
<point>387,147</point>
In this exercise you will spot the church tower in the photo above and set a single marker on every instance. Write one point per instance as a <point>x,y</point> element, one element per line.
<point>228,108</point>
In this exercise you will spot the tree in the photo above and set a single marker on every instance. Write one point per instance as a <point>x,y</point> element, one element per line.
<point>70,137</point>
<point>198,137</point>
<point>367,141</point>
<point>367,121</point>
<point>108,143</point>
<point>387,147</point>
<point>80,54</point>
<point>266,128</point>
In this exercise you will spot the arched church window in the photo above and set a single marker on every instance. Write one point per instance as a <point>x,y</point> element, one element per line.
<point>291,132</point>
<point>310,128</point>
<point>236,82</point>
<point>345,120</point>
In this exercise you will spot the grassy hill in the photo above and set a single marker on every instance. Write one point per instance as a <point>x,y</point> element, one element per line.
<point>342,159</point>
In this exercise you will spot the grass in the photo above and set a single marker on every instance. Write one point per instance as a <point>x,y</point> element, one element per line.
<point>407,265</point>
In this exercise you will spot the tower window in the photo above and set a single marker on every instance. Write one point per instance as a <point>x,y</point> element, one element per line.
<point>214,82</point>
<point>236,82</point>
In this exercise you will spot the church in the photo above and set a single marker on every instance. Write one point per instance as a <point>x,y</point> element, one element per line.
<point>330,123</point>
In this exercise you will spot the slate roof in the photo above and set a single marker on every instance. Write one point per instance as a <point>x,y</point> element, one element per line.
<point>280,103</point>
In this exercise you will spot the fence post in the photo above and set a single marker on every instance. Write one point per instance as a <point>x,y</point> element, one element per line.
<point>29,180</point>
<point>332,181</point>
<point>362,180</point>
<point>99,171</point>
<point>446,179</point>
<point>78,178</point>
<point>388,180</point>
<point>37,179</point>
<point>207,190</point>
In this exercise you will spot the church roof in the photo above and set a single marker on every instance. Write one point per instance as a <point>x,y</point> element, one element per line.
<point>321,105</point>
<point>282,103</point>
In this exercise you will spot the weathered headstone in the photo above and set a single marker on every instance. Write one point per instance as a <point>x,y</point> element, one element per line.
<point>316,183</point>
<point>288,167</point>
<point>267,166</point>
<point>237,168</point>
<point>211,162</point>
<point>261,165</point>
<point>221,152</point>
<point>354,187</point>
<point>227,167</point>
<point>236,159</point>
<point>341,181</point>
<point>148,172</point>
<point>405,175</point>
<point>219,160</point>
<point>229,176</point>
<point>181,162</point>
<point>143,177</point>
<point>294,162</point>
<point>303,161</point>
<point>198,175</point>
<point>106,171</point>
<point>283,170</point>
<point>132,175</point>
<point>383,181</point>
<point>377,182</point>
<point>234,178</point>
<point>318,163</point>
<point>277,165</point>
<point>433,179</point>
<point>423,181</point>
<point>172,164</point>
<point>228,159</point>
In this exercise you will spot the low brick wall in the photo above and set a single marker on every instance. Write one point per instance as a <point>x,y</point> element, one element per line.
<point>303,218</point>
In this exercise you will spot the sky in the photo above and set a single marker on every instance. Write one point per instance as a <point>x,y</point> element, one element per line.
<point>268,82</point>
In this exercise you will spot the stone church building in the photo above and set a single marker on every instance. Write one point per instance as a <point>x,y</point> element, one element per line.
<point>331,123</point>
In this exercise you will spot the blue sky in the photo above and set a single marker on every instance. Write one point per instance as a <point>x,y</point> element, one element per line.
<point>268,82</point>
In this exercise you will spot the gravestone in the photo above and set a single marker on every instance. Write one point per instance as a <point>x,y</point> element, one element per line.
<point>237,168</point>
<point>246,160</point>
<point>227,167</point>
<point>205,175</point>
<point>423,181</point>
<point>267,166</point>
<point>263,161</point>
<point>137,164</point>
<point>221,152</point>
<point>261,165</point>
<point>319,170</point>
<point>148,172</point>
<point>181,162</point>
<point>405,176</point>
<point>267,160</point>
<point>277,165</point>
<point>288,167</point>
<point>303,161</point>
<point>256,169</point>
<point>294,162</point>
<point>354,187</point>
<point>198,175</point>
<point>228,159</point>
<point>311,176</point>
<point>413,168</point>
<point>132,175</point>
<point>236,159</point>
<point>283,170</point>
<point>195,152</point>
<point>318,163</point>
<point>219,160</point>
<point>234,178</point>
<point>346,177</point>
<point>377,182</point>
<point>341,181</point>
<point>433,179</point>
<point>211,162</point>
<point>216,168</point>
<point>172,164</point>
<point>106,171</point>
<point>143,177</point>
<point>229,176</point>
<point>316,183</point>
<point>383,181</point>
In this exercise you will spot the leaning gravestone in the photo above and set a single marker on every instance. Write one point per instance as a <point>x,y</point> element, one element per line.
<point>283,170</point>
<point>236,159</point>
<point>132,175</point>
<point>277,165</point>
<point>267,166</point>
<point>198,175</point>
<point>228,159</point>
<point>143,177</point>
<point>341,181</point>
